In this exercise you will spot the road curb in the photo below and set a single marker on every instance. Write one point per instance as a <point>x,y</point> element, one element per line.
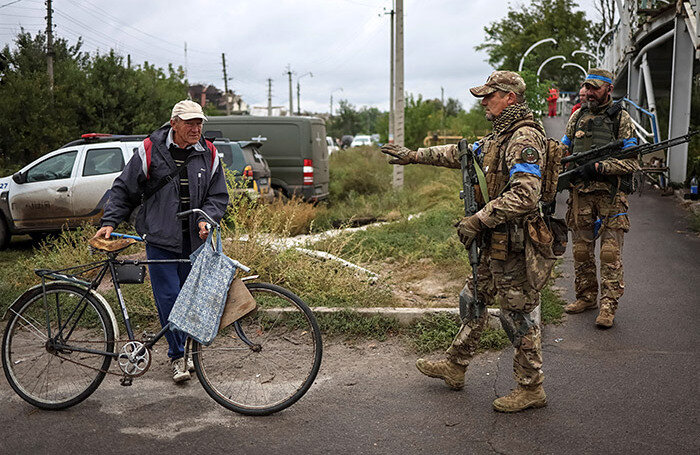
<point>407,316</point>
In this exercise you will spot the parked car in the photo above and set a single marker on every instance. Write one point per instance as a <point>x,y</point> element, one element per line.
<point>295,150</point>
<point>360,140</point>
<point>64,188</point>
<point>330,143</point>
<point>244,158</point>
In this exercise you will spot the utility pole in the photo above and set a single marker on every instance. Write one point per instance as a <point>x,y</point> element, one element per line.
<point>391,76</point>
<point>291,98</point>
<point>49,43</point>
<point>269,97</point>
<point>128,60</point>
<point>228,105</point>
<point>399,89</point>
<point>185,60</point>
<point>442,103</point>
<point>299,91</point>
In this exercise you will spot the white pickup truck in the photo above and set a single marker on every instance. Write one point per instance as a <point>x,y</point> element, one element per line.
<point>64,188</point>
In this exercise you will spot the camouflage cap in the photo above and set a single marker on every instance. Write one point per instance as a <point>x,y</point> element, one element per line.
<point>597,77</point>
<point>505,81</point>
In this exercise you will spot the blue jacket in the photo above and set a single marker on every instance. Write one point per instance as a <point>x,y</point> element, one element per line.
<point>156,220</point>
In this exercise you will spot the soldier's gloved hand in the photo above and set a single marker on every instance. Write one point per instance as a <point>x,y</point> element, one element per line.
<point>468,228</point>
<point>400,154</point>
<point>589,172</point>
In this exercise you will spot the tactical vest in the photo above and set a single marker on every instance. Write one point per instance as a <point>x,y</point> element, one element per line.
<point>494,164</point>
<point>600,129</point>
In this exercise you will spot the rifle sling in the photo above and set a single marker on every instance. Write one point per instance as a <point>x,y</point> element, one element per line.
<point>482,180</point>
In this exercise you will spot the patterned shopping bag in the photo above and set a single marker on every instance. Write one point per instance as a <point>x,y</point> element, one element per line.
<point>198,308</point>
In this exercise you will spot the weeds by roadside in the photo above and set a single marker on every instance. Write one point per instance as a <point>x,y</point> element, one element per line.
<point>694,222</point>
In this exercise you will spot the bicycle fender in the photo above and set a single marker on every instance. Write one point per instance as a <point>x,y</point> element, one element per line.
<point>102,300</point>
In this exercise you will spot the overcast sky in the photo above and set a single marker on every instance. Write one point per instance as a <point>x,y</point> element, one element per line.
<point>344,43</point>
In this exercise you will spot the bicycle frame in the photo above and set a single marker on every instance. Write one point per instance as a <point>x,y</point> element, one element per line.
<point>57,341</point>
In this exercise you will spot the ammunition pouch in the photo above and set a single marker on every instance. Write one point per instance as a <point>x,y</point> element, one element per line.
<point>499,242</point>
<point>516,325</point>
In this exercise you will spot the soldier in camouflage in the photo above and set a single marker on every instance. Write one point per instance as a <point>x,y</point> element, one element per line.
<point>597,204</point>
<point>513,156</point>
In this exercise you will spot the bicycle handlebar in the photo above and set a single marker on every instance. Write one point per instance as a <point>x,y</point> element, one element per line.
<point>186,213</point>
<point>126,236</point>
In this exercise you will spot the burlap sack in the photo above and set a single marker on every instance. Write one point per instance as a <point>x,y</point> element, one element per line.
<point>539,257</point>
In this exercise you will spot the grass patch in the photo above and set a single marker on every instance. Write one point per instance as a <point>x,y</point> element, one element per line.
<point>436,332</point>
<point>552,306</point>
<point>350,324</point>
<point>694,222</point>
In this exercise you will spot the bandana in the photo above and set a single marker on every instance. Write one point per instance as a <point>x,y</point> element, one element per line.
<point>510,115</point>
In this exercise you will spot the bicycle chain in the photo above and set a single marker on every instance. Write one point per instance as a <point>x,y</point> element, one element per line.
<point>91,367</point>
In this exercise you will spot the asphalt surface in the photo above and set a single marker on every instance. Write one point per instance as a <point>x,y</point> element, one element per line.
<point>629,389</point>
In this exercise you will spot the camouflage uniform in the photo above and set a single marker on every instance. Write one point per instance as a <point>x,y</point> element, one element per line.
<point>602,202</point>
<point>512,155</point>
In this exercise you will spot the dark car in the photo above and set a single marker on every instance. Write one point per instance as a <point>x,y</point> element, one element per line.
<point>244,159</point>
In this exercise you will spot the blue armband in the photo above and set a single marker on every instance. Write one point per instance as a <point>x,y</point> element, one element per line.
<point>627,143</point>
<point>526,168</point>
<point>476,148</point>
<point>566,141</point>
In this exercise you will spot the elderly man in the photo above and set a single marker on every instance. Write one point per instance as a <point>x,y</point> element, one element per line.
<point>173,170</point>
<point>513,156</point>
<point>598,197</point>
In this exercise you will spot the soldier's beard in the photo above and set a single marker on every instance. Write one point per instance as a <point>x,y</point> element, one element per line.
<point>592,102</point>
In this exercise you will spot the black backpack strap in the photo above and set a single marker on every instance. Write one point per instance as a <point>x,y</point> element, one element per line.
<point>614,112</point>
<point>165,180</point>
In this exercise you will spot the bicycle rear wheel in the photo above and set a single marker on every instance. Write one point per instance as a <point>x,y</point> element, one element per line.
<point>47,371</point>
<point>277,369</point>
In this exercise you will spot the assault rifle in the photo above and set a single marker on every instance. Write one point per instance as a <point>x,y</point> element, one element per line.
<point>470,307</point>
<point>613,150</point>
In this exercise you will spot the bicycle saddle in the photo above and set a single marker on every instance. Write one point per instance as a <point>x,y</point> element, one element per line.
<point>110,246</point>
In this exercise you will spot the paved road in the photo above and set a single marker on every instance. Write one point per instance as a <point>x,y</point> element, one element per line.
<point>630,389</point>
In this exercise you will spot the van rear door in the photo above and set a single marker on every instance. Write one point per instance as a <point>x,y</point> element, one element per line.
<point>320,163</point>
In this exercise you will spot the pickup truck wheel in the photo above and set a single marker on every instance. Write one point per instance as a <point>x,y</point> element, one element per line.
<point>4,234</point>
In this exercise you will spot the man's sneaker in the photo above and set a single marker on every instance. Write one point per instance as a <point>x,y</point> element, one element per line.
<point>179,372</point>
<point>579,306</point>
<point>452,373</point>
<point>190,365</point>
<point>521,398</point>
<point>605,317</point>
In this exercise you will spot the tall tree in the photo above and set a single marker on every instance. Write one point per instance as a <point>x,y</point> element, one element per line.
<point>508,39</point>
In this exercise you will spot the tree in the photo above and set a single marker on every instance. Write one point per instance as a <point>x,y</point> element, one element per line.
<point>508,39</point>
<point>95,93</point>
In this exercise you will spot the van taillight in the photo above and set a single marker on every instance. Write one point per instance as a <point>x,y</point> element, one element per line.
<point>308,172</point>
<point>248,172</point>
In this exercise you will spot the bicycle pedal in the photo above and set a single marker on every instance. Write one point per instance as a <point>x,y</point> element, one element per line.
<point>126,381</point>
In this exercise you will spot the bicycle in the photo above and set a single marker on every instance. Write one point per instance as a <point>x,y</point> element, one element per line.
<point>61,336</point>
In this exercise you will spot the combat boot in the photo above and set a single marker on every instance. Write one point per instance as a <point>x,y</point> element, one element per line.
<point>521,398</point>
<point>452,373</point>
<point>605,317</point>
<point>579,306</point>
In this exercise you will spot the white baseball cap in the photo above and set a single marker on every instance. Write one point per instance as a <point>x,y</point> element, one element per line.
<point>187,110</point>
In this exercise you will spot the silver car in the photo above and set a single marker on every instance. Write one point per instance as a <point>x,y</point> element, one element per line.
<point>64,188</point>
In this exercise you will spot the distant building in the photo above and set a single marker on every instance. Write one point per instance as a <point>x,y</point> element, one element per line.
<point>277,111</point>
<point>211,95</point>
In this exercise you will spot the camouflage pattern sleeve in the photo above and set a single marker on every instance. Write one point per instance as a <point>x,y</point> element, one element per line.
<point>613,166</point>
<point>525,160</point>
<point>439,155</point>
<point>569,132</point>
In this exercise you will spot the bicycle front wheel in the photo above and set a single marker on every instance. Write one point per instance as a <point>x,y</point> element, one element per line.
<point>275,367</point>
<point>44,349</point>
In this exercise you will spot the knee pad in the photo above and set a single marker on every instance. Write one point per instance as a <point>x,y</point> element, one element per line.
<point>609,253</point>
<point>516,325</point>
<point>581,252</point>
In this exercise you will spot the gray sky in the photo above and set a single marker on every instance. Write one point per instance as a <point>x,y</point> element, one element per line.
<point>344,43</point>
